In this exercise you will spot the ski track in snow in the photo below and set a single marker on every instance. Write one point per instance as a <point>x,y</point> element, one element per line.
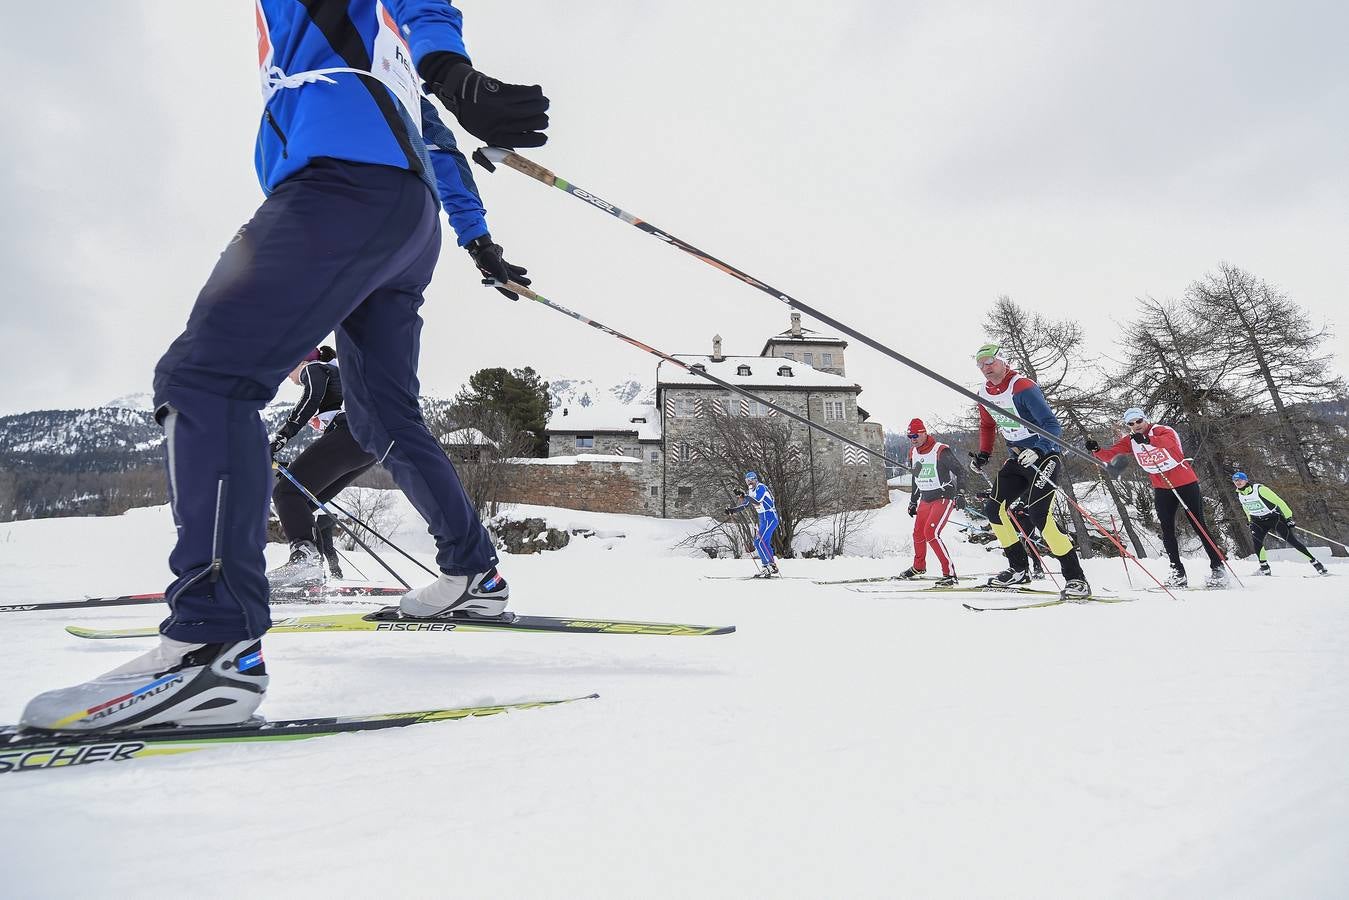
<point>837,745</point>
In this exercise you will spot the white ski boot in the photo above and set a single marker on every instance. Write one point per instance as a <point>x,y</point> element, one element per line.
<point>174,684</point>
<point>1320,567</point>
<point>1076,591</point>
<point>1009,578</point>
<point>1217,578</point>
<point>304,568</point>
<point>481,596</point>
<point>1178,578</point>
<point>1264,569</point>
<point>911,573</point>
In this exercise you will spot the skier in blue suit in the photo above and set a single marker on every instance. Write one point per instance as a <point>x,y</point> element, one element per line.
<point>761,498</point>
<point>352,165</point>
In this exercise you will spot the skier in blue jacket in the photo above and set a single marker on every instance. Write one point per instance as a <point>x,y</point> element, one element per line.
<point>761,498</point>
<point>346,240</point>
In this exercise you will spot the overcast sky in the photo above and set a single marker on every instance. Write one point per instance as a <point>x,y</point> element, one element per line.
<point>897,165</point>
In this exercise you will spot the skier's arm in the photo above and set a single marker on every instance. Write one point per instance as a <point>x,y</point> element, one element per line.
<point>314,380</point>
<point>1030,403</point>
<point>988,430</point>
<point>1270,497</point>
<point>1105,454</point>
<point>1168,440</point>
<point>949,472</point>
<point>430,26</point>
<point>454,180</point>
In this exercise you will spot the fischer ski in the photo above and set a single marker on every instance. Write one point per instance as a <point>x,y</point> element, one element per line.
<point>28,751</point>
<point>389,619</point>
<point>1043,603</point>
<point>279,595</point>
<point>884,578</point>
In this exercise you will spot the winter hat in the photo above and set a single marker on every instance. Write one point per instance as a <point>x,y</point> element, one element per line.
<point>752,475</point>
<point>991,351</point>
<point>1132,413</point>
<point>1240,476</point>
<point>916,425</point>
<point>311,356</point>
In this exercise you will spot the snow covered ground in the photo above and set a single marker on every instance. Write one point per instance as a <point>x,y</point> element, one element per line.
<point>840,744</point>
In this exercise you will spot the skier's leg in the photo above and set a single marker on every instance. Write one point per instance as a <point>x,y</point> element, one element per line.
<point>1039,510</point>
<point>349,460</point>
<point>317,246</point>
<point>1195,501</point>
<point>1167,507</point>
<point>1260,527</point>
<point>936,520</point>
<point>920,538</point>
<point>313,468</point>
<point>1288,536</point>
<point>767,525</point>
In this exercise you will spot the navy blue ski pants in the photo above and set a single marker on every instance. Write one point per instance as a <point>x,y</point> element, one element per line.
<point>339,245</point>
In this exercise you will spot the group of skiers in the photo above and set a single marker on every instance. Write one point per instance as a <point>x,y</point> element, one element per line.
<point>1019,506</point>
<point>356,166</point>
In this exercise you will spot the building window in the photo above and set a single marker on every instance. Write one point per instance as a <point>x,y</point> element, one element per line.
<point>686,492</point>
<point>655,491</point>
<point>809,358</point>
<point>686,407</point>
<point>790,355</point>
<point>655,457</point>
<point>742,370</point>
<point>833,410</point>
<point>585,442</point>
<point>759,409</point>
<point>826,359</point>
<point>785,371</point>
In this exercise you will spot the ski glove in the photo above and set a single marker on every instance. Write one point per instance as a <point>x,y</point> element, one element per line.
<point>277,443</point>
<point>1091,446</point>
<point>1140,438</point>
<point>503,115</point>
<point>487,257</point>
<point>978,460</point>
<point>730,510</point>
<point>1290,522</point>
<point>913,510</point>
<point>1028,458</point>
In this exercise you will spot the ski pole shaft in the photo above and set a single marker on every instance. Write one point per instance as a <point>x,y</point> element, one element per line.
<point>539,298</point>
<point>343,525</point>
<point>347,559</point>
<point>1199,527</point>
<point>1124,562</point>
<point>400,550</point>
<point>488,157</point>
<point>1321,536</point>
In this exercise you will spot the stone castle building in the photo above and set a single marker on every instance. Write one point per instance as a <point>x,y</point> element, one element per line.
<point>648,446</point>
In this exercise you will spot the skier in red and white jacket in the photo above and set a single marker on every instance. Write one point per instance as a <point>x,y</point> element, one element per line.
<point>1158,451</point>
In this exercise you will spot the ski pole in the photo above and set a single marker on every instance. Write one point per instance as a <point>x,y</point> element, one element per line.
<point>347,560</point>
<point>1101,528</point>
<point>1321,536</point>
<point>1194,520</point>
<point>319,503</point>
<point>488,157</point>
<point>405,554</point>
<point>694,370</point>
<point>1124,562</point>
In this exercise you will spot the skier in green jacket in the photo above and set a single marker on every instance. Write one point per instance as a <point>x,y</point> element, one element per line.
<point>1269,513</point>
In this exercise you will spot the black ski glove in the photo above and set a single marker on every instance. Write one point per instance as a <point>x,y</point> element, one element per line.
<point>978,461</point>
<point>277,443</point>
<point>487,257</point>
<point>1290,522</point>
<point>913,510</point>
<point>1091,446</point>
<point>1140,438</point>
<point>503,115</point>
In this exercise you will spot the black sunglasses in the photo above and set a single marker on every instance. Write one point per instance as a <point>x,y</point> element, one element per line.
<point>1135,422</point>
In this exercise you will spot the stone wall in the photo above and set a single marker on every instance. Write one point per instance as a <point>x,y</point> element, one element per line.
<point>610,487</point>
<point>624,444</point>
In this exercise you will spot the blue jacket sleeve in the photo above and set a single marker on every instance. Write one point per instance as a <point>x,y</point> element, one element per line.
<point>1031,405</point>
<point>454,179</point>
<point>429,26</point>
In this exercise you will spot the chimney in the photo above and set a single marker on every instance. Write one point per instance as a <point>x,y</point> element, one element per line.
<point>716,348</point>
<point>796,324</point>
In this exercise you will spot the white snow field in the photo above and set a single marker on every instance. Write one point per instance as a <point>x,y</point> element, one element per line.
<point>840,744</point>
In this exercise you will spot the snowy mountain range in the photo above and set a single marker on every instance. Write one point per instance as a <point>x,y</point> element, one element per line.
<point>583,393</point>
